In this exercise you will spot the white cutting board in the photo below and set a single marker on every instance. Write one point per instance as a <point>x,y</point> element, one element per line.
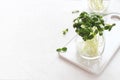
<point>112,45</point>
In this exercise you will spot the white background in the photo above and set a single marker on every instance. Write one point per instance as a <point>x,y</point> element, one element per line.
<point>30,32</point>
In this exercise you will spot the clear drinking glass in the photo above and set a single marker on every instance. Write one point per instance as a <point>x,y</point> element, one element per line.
<point>90,49</point>
<point>98,6</point>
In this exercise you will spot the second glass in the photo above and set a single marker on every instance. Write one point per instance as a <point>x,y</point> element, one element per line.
<point>98,6</point>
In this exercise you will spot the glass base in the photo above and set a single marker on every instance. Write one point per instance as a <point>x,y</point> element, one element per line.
<point>88,58</point>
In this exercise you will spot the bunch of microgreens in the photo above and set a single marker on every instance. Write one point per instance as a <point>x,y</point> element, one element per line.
<point>88,25</point>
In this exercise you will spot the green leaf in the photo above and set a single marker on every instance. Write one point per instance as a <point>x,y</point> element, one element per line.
<point>90,36</point>
<point>65,31</point>
<point>59,50</point>
<point>64,49</point>
<point>96,31</point>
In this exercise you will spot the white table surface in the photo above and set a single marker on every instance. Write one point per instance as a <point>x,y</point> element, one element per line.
<point>30,32</point>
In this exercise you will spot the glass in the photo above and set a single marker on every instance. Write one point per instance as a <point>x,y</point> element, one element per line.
<point>98,6</point>
<point>90,49</point>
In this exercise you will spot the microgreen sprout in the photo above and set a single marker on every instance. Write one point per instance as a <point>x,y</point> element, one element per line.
<point>89,25</point>
<point>63,49</point>
<point>65,31</point>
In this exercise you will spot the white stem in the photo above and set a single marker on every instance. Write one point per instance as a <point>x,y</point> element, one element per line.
<point>96,4</point>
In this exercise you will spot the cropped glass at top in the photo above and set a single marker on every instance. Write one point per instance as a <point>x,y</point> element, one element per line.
<point>98,6</point>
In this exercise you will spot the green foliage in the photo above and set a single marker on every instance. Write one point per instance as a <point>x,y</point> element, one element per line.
<point>88,25</point>
<point>63,49</point>
<point>65,31</point>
